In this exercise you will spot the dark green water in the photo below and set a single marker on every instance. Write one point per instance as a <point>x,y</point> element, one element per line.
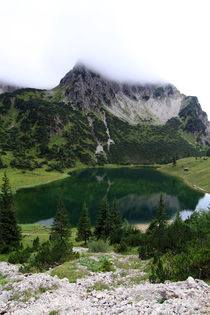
<point>136,189</point>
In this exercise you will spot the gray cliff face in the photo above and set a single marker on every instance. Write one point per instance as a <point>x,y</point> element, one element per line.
<point>4,87</point>
<point>149,103</point>
<point>153,104</point>
<point>194,119</point>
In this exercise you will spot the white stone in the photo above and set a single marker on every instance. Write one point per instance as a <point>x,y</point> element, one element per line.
<point>100,295</point>
<point>191,282</point>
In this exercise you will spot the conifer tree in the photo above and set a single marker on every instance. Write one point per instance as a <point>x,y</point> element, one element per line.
<point>1,163</point>
<point>178,219</point>
<point>117,228</point>
<point>10,232</point>
<point>116,215</point>
<point>103,225</point>
<point>84,226</point>
<point>160,221</point>
<point>61,229</point>
<point>161,216</point>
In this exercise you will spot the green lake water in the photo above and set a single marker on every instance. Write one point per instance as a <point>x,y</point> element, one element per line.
<point>137,190</point>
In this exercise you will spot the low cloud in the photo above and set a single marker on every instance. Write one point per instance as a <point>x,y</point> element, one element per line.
<point>136,41</point>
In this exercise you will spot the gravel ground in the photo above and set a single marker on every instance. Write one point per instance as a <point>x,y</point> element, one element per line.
<point>38,294</point>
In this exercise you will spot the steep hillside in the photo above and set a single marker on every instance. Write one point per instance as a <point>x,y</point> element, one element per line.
<point>90,119</point>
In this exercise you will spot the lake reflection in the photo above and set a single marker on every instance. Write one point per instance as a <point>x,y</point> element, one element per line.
<point>136,189</point>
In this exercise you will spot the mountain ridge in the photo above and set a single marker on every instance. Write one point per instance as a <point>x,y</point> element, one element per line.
<point>149,103</point>
<point>82,119</point>
<point>132,102</point>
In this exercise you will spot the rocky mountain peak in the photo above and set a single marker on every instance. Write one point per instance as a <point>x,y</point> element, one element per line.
<point>150,103</point>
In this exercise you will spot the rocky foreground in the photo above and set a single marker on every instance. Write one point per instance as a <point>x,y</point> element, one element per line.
<point>39,294</point>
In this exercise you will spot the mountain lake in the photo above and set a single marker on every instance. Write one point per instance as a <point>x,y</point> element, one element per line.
<point>137,190</point>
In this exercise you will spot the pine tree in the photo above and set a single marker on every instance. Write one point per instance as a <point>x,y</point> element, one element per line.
<point>116,219</point>
<point>174,161</point>
<point>84,226</point>
<point>1,163</point>
<point>103,226</point>
<point>178,219</point>
<point>161,216</point>
<point>61,229</point>
<point>10,232</point>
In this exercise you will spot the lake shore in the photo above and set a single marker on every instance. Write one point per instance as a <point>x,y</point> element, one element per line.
<point>198,176</point>
<point>142,226</point>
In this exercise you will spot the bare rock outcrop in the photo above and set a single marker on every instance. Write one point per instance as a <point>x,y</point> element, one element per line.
<point>151,103</point>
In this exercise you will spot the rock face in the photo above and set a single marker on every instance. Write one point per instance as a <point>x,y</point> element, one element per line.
<point>194,119</point>
<point>150,103</point>
<point>4,87</point>
<point>41,294</point>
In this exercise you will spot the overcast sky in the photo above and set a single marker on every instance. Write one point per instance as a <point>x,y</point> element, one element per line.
<point>136,40</point>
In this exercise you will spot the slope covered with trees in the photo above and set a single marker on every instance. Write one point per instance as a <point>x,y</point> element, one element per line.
<point>37,130</point>
<point>56,129</point>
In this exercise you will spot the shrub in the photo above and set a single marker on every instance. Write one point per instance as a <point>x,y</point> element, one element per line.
<point>158,274</point>
<point>50,254</point>
<point>134,238</point>
<point>116,235</point>
<point>99,246</point>
<point>145,251</point>
<point>19,257</point>
<point>121,247</point>
<point>36,244</point>
<point>107,266</point>
<point>194,262</point>
<point>2,165</point>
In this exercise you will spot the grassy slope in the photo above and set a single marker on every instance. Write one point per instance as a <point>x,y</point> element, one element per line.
<point>20,179</point>
<point>25,178</point>
<point>198,175</point>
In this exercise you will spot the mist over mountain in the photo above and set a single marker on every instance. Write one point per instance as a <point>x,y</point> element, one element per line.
<point>135,103</point>
<point>6,87</point>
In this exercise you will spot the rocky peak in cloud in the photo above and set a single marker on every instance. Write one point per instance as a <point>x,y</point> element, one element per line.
<point>152,103</point>
<point>6,87</point>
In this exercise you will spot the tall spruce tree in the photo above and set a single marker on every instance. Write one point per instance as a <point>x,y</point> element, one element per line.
<point>61,229</point>
<point>116,218</point>
<point>117,229</point>
<point>161,216</point>
<point>1,163</point>
<point>84,226</point>
<point>159,223</point>
<point>10,231</point>
<point>103,225</point>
